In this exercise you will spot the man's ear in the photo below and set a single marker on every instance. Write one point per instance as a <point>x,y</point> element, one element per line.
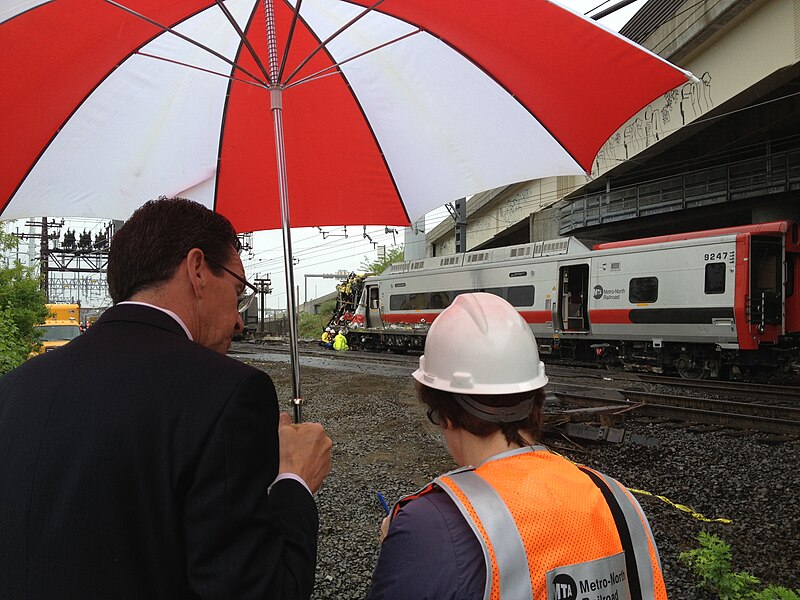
<point>197,271</point>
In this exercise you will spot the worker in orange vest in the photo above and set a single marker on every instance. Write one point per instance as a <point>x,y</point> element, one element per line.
<point>522,523</point>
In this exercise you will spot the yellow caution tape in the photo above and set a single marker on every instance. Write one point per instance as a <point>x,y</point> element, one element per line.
<point>682,507</point>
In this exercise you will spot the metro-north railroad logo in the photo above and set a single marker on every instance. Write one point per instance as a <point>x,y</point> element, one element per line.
<point>598,292</point>
<point>564,587</point>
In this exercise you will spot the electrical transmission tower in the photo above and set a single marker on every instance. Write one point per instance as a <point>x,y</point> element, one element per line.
<point>80,254</point>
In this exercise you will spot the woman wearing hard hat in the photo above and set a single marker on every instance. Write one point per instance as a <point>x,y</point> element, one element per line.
<point>515,521</point>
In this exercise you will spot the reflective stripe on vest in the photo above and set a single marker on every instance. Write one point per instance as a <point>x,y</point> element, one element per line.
<point>509,551</point>
<point>505,550</point>
<point>640,568</point>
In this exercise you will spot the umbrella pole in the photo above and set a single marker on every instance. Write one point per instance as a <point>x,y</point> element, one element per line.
<point>276,105</point>
<point>276,98</point>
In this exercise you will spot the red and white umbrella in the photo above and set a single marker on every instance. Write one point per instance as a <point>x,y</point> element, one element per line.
<point>350,112</point>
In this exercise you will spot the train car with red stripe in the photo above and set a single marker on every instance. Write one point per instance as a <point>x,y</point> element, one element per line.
<point>702,304</point>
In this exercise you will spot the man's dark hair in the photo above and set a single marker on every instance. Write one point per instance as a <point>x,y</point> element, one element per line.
<point>444,403</point>
<point>152,243</point>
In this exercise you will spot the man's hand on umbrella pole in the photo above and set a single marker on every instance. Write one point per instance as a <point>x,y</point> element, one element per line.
<point>305,451</point>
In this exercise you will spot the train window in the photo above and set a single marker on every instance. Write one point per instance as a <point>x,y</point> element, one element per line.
<point>397,301</point>
<point>421,300</point>
<point>643,289</point>
<point>521,295</point>
<point>715,278</point>
<point>439,300</point>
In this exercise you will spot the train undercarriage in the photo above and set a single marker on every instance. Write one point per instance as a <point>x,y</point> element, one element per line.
<point>690,361</point>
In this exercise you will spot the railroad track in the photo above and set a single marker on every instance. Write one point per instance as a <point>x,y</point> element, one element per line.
<point>763,393</point>
<point>764,416</point>
<point>736,389</point>
<point>768,418</point>
<point>313,349</point>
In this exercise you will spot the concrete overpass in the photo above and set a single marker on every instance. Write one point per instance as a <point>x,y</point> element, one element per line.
<point>719,152</point>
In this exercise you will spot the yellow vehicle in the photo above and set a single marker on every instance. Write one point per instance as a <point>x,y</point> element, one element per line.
<point>64,312</point>
<point>61,326</point>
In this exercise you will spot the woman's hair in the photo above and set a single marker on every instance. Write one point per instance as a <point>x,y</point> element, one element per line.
<point>444,403</point>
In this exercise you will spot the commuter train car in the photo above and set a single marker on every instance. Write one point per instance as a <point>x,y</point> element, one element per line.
<point>702,304</point>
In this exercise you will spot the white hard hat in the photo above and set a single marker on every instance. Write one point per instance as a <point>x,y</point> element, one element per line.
<point>480,345</point>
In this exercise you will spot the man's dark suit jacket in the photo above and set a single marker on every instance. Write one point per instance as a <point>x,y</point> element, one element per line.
<point>134,463</point>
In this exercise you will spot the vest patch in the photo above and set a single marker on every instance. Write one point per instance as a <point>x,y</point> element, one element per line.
<point>601,579</point>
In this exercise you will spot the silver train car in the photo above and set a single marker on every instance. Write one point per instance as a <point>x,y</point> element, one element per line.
<point>702,304</point>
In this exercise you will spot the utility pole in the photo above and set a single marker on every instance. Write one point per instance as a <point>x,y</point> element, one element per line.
<point>264,287</point>
<point>44,250</point>
<point>458,210</point>
<point>43,263</point>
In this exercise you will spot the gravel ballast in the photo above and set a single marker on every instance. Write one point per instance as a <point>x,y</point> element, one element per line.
<point>383,442</point>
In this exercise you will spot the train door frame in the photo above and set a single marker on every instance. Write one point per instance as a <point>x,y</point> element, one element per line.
<point>767,311</point>
<point>791,292</point>
<point>373,306</point>
<point>791,280</point>
<point>572,298</point>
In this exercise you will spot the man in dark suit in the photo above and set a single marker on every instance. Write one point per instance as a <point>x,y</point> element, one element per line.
<point>135,462</point>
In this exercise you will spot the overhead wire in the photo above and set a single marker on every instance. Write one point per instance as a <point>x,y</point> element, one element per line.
<point>675,31</point>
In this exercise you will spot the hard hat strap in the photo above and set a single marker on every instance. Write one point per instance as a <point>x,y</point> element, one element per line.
<point>495,414</point>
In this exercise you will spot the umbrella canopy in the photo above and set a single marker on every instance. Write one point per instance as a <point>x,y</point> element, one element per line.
<point>349,112</point>
<point>410,104</point>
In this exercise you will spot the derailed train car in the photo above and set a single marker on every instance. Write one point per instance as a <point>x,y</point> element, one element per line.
<point>702,304</point>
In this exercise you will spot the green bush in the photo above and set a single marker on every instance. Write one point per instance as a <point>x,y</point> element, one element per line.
<point>311,326</point>
<point>13,348</point>
<point>712,563</point>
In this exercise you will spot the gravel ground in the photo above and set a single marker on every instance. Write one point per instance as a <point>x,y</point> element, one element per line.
<point>382,441</point>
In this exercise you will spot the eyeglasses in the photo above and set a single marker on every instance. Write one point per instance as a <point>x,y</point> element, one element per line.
<point>433,416</point>
<point>245,300</point>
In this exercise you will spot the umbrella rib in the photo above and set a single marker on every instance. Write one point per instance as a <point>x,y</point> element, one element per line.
<point>295,17</point>
<point>244,39</point>
<point>322,72</point>
<point>185,38</point>
<point>331,37</point>
<point>209,71</point>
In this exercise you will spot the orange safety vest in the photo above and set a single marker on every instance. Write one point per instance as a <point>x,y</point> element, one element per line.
<point>551,530</point>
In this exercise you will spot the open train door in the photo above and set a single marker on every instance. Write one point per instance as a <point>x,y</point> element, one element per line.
<point>766,285</point>
<point>373,311</point>
<point>573,298</point>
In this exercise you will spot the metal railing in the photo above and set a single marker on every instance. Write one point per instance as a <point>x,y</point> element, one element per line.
<point>773,174</point>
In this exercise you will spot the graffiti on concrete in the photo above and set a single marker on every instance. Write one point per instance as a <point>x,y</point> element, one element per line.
<point>655,122</point>
<point>696,98</point>
<point>516,206</point>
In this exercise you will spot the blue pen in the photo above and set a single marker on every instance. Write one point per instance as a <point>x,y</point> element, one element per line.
<point>383,502</point>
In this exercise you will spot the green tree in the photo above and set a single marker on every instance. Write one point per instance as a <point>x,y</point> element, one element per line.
<point>311,326</point>
<point>378,266</point>
<point>22,306</point>
<point>13,350</point>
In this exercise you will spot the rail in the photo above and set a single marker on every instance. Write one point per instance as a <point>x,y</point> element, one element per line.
<point>721,413</point>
